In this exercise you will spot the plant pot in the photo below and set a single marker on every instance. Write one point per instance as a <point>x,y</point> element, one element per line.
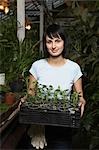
<point>10,98</point>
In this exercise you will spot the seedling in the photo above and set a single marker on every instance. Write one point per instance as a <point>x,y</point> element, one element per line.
<point>47,98</point>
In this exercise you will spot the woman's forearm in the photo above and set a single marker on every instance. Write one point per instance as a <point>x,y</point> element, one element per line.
<point>78,87</point>
<point>31,86</point>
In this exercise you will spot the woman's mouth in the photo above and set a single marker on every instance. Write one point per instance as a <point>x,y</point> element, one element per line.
<point>54,50</point>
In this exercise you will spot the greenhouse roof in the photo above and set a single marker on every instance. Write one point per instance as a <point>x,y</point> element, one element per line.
<point>32,8</point>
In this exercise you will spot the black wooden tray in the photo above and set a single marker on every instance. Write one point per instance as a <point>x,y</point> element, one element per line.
<point>28,115</point>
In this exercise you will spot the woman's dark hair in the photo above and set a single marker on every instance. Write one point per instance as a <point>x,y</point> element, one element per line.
<point>54,30</point>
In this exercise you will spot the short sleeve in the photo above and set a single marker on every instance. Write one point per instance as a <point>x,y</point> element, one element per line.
<point>78,73</point>
<point>33,70</point>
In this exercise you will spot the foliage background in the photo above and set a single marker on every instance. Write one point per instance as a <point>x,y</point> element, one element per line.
<point>16,58</point>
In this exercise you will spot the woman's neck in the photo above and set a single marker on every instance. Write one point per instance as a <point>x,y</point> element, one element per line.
<point>56,61</point>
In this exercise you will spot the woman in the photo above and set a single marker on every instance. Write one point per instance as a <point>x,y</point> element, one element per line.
<point>54,70</point>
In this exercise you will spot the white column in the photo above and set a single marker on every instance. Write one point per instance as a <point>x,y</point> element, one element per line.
<point>41,29</point>
<point>21,19</point>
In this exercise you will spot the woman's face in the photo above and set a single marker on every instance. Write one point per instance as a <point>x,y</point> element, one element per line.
<point>54,46</point>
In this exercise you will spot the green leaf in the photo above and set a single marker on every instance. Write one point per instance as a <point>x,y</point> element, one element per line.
<point>84,14</point>
<point>92,21</point>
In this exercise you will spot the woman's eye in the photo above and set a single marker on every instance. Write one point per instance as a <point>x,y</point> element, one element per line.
<point>48,42</point>
<point>58,41</point>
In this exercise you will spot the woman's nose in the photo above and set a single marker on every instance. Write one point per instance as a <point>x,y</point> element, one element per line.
<point>53,45</point>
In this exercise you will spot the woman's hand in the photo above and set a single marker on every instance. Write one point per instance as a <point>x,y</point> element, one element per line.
<point>78,88</point>
<point>23,99</point>
<point>81,104</point>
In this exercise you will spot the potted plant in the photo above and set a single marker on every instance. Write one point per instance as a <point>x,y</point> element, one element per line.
<point>16,57</point>
<point>7,40</point>
<point>10,98</point>
<point>26,52</point>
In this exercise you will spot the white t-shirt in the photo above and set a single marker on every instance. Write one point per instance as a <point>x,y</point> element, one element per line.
<point>64,76</point>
